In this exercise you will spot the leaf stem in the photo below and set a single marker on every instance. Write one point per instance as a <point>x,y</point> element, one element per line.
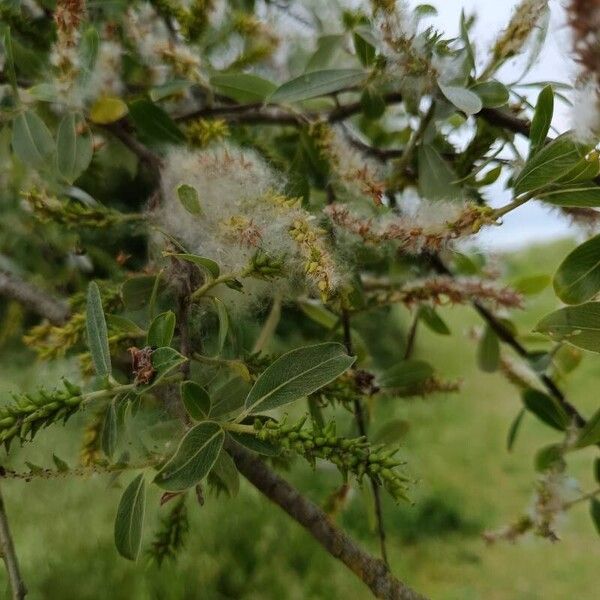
<point>17,585</point>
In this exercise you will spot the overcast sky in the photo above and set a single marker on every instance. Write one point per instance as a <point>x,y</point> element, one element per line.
<point>531,222</point>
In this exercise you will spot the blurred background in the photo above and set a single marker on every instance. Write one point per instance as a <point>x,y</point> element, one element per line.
<point>455,447</point>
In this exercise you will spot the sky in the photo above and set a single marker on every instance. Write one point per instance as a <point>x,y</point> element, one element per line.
<point>532,222</point>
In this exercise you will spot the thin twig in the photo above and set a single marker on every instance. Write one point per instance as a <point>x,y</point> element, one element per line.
<point>17,585</point>
<point>362,430</point>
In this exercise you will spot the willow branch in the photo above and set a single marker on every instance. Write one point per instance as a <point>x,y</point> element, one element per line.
<point>33,298</point>
<point>17,585</point>
<point>372,571</point>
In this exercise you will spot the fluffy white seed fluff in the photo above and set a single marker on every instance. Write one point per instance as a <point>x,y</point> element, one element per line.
<point>236,190</point>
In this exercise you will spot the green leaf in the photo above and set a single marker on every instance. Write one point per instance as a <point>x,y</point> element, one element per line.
<point>153,124</point>
<point>108,109</point>
<point>318,313</point>
<point>578,276</point>
<point>244,88</point>
<point>547,456</point>
<point>582,194</point>
<point>225,470</point>
<point>223,317</point>
<point>61,465</point>
<point>229,397</point>
<point>372,103</point>
<point>193,459</point>
<point>436,177</point>
<point>109,430</point>
<point>364,49</point>
<point>430,317</point>
<point>130,518</point>
<point>326,54</point>
<point>578,325</point>
<point>206,263</point>
<point>161,330</point>
<point>253,443</point>
<point>188,196</point>
<point>9,60</point>
<point>297,374</point>
<point>407,374</point>
<point>546,408</point>
<point>32,141</point>
<point>491,93</point>
<point>466,100</point>
<point>590,432</point>
<point>542,118</point>
<point>120,324</point>
<point>97,334</point>
<point>196,400</point>
<point>164,360</point>
<point>73,150</point>
<point>549,164</point>
<point>136,291</point>
<point>317,83</point>
<point>597,470</point>
<point>88,51</point>
<point>488,351</point>
<point>595,512</point>
<point>514,429</point>
<point>168,89</point>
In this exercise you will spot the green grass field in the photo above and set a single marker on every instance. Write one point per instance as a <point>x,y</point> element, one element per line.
<point>246,548</point>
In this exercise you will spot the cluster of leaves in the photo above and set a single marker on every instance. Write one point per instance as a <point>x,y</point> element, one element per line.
<point>84,165</point>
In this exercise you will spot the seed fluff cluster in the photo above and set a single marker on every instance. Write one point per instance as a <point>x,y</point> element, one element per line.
<point>244,222</point>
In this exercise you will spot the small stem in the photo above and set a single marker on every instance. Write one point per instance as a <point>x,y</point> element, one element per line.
<point>269,326</point>
<point>17,585</point>
<point>519,201</point>
<point>209,285</point>
<point>412,336</point>
<point>238,428</point>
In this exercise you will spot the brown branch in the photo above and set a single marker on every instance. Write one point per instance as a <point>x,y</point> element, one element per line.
<point>35,299</point>
<point>372,571</point>
<point>17,585</point>
<point>120,131</point>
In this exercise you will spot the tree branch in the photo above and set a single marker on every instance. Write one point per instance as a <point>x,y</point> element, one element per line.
<point>372,571</point>
<point>35,299</point>
<point>17,585</point>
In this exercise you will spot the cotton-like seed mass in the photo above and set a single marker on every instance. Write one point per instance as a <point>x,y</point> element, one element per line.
<point>243,215</point>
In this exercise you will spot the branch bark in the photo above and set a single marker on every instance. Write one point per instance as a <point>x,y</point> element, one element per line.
<point>35,299</point>
<point>372,571</point>
<point>17,585</point>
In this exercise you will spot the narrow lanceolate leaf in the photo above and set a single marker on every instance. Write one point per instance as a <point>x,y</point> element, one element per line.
<point>540,124</point>
<point>226,472</point>
<point>552,162</point>
<point>546,408</point>
<point>130,518</point>
<point>161,330</point>
<point>196,400</point>
<point>90,43</point>
<point>574,194</point>
<point>153,124</point>
<point>205,263</point>
<point>243,87</point>
<point>514,429</point>
<point>578,325</point>
<point>297,374</point>
<point>188,196</point>
<point>73,150</point>
<point>194,458</point>
<point>109,431</point>
<point>466,100</point>
<point>578,276</point>
<point>488,351</point>
<point>317,83</point>
<point>491,93</point>
<point>436,177</point>
<point>97,335</point>
<point>590,433</point>
<point>32,140</point>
